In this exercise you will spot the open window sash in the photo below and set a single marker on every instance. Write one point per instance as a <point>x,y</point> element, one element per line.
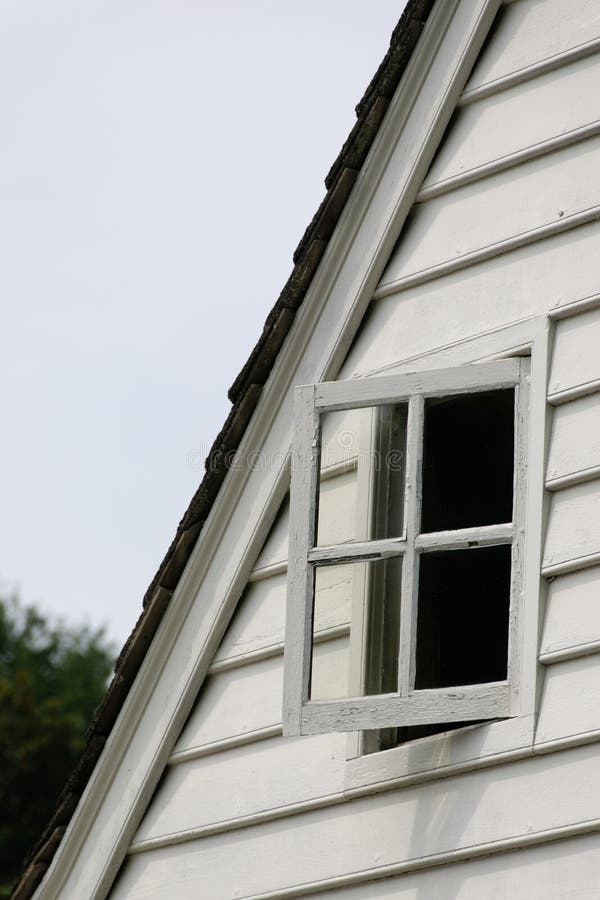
<point>406,705</point>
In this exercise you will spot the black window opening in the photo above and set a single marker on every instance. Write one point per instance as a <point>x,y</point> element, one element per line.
<point>468,461</point>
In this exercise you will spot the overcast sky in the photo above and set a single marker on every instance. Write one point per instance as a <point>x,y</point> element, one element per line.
<point>160,160</point>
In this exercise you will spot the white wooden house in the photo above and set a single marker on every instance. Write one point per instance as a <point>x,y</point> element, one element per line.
<point>434,571</point>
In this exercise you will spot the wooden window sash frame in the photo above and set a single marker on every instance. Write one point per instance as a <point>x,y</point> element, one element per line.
<point>407,706</point>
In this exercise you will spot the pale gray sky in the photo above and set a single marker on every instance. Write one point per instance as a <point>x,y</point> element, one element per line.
<point>159,162</point>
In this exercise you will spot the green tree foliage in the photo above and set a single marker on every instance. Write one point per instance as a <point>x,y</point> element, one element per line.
<point>52,678</point>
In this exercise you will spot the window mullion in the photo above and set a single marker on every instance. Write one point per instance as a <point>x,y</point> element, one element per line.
<point>410,565</point>
<point>465,538</point>
<point>364,551</point>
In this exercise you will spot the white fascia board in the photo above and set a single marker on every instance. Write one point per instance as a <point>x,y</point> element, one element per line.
<point>126,775</point>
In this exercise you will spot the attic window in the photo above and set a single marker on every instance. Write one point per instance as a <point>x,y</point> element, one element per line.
<point>423,571</point>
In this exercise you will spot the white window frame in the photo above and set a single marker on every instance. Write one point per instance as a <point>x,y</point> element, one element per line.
<point>408,706</point>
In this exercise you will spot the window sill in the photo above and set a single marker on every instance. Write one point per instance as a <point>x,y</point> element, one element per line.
<point>440,755</point>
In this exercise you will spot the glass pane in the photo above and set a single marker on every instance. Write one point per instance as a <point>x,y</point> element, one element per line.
<point>337,513</point>
<point>362,472</point>
<point>463,616</point>
<point>362,659</point>
<point>468,461</point>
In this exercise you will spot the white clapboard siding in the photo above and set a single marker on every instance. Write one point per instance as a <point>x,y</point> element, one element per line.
<point>242,701</point>
<point>570,700</point>
<point>575,357</point>
<point>575,440</point>
<point>237,702</point>
<point>531,31</point>
<point>525,282</point>
<point>497,127</point>
<point>477,216</point>
<point>572,617</point>
<point>259,621</point>
<point>245,781</point>
<point>275,549</point>
<point>337,509</point>
<point>573,535</point>
<point>557,871</point>
<point>465,812</point>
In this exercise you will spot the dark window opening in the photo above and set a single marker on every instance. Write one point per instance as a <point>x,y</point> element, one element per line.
<point>462,623</point>
<point>462,627</point>
<point>468,461</point>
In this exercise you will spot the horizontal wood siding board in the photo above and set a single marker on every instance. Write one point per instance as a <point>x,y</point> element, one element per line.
<point>258,625</point>
<point>575,307</point>
<point>259,619</point>
<point>340,468</point>
<point>246,658</point>
<point>449,858</point>
<point>570,704</point>
<point>434,771</point>
<point>504,208</point>
<point>490,251</point>
<point>574,564</point>
<point>574,393</point>
<point>535,70</point>
<point>276,545</point>
<point>531,32</point>
<point>526,282</point>
<point>572,611</point>
<point>573,534</point>
<point>244,781</point>
<point>502,125</point>
<point>248,698</point>
<point>575,440</point>
<point>579,476</point>
<point>510,160</point>
<point>277,649</point>
<point>275,568</point>
<point>224,744</point>
<point>234,702</point>
<point>575,357</point>
<point>575,651</point>
<point>507,805</point>
<point>554,870</point>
